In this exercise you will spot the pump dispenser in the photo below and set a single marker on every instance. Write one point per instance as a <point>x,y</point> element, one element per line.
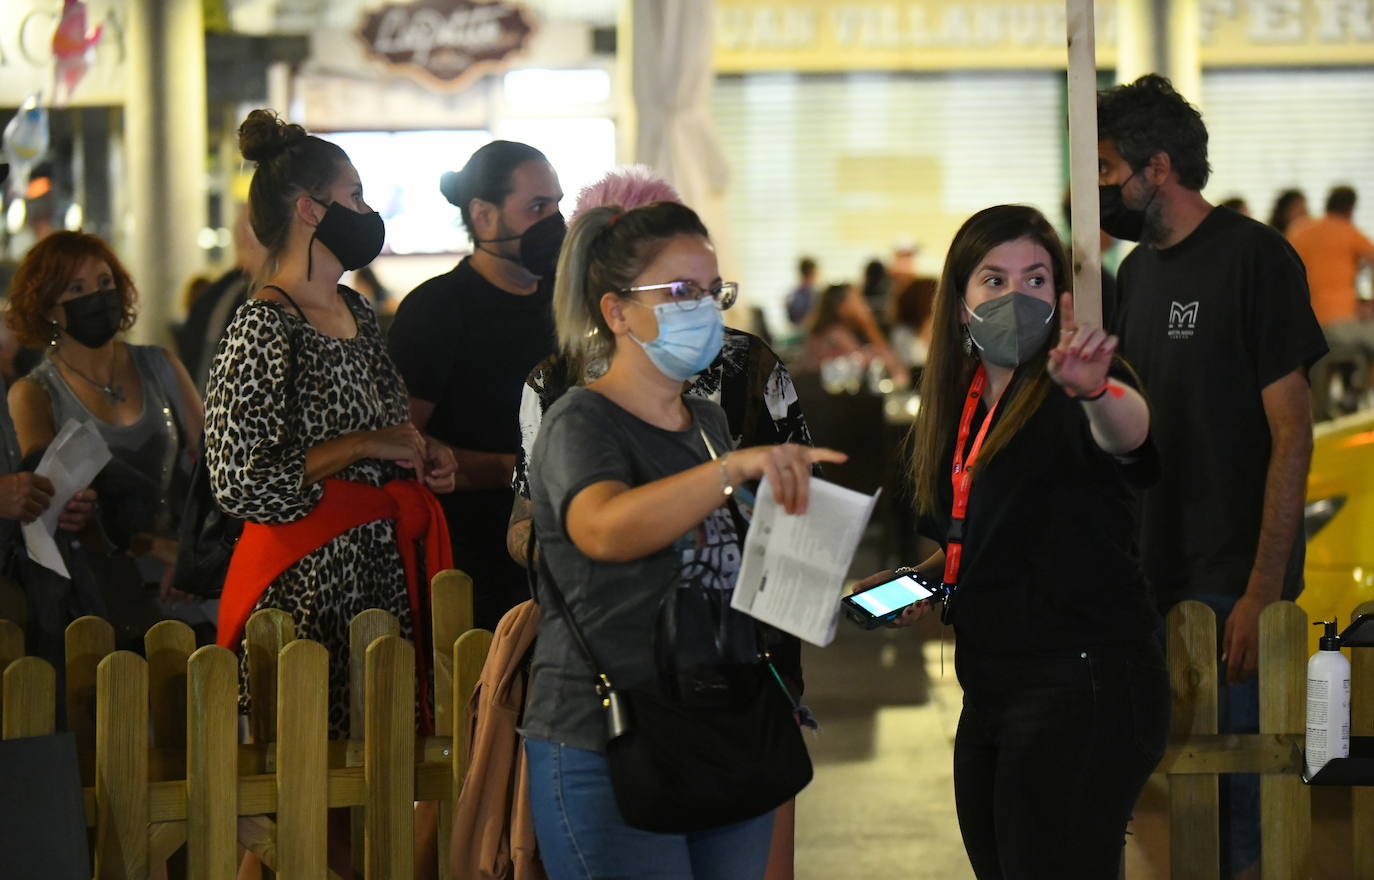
<point>1328,702</point>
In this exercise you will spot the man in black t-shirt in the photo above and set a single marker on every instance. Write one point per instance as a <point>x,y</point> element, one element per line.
<point>464,342</point>
<point>1214,313</point>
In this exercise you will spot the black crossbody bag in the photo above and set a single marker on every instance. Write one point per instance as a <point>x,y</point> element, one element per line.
<point>710,746</point>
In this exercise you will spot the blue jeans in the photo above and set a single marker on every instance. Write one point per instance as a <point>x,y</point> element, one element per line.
<point>582,837</point>
<point>1237,712</point>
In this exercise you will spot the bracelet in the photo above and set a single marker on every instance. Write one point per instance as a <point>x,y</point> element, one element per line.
<point>727,487</point>
<point>1098,392</point>
<point>1091,395</point>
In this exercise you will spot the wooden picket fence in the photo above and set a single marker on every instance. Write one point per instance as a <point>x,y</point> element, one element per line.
<point>161,762</point>
<point>1197,753</point>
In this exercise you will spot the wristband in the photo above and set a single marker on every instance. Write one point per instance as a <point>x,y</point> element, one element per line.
<point>1095,394</point>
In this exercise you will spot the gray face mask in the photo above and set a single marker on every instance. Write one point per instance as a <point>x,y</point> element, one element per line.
<point>1009,330</point>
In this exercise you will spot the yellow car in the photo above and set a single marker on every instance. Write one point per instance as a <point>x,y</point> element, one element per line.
<point>1339,520</point>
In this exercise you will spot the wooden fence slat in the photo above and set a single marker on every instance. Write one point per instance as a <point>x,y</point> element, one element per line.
<point>168,645</point>
<point>30,698</point>
<point>451,603</point>
<point>121,780</point>
<point>363,630</point>
<point>11,649</point>
<point>1194,835</point>
<point>267,633</point>
<point>1362,724</point>
<point>1285,802</point>
<point>302,760</point>
<point>88,641</point>
<point>469,655</point>
<point>11,642</point>
<point>389,766</point>
<point>13,604</point>
<point>212,708</point>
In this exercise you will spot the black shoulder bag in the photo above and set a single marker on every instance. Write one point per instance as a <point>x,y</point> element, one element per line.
<point>711,746</point>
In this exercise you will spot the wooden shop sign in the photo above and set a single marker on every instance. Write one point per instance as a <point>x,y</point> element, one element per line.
<point>445,43</point>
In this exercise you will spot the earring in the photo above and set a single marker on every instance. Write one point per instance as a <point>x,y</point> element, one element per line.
<point>56,332</point>
<point>966,342</point>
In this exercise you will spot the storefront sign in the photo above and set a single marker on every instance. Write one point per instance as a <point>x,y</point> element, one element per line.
<point>27,65</point>
<point>828,35</point>
<point>446,42</point>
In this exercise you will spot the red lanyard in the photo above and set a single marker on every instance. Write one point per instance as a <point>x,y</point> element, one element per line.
<point>962,474</point>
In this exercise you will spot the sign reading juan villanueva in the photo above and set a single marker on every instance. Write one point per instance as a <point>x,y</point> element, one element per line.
<point>446,42</point>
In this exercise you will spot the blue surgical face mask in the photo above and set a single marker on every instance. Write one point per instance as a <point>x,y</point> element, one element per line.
<point>687,341</point>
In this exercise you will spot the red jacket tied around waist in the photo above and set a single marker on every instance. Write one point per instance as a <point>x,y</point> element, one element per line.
<point>265,551</point>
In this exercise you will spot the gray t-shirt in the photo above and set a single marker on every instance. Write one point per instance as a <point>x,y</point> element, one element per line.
<point>587,439</point>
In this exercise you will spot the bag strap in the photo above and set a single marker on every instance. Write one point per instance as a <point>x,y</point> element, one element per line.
<point>603,683</point>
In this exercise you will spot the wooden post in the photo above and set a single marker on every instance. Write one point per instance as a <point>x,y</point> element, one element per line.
<point>363,630</point>
<point>451,601</point>
<point>121,778</point>
<point>1087,250</point>
<point>1362,724</point>
<point>302,760</point>
<point>1285,802</point>
<point>212,710</point>
<point>88,641</point>
<point>11,649</point>
<point>168,645</point>
<point>267,633</point>
<point>389,766</point>
<point>30,697</point>
<point>1194,836</point>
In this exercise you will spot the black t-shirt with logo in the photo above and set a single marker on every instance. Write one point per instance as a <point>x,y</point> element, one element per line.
<point>1209,323</point>
<point>466,345</point>
<point>1050,561</point>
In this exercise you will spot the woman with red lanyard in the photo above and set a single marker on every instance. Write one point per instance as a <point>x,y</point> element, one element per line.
<point>1030,443</point>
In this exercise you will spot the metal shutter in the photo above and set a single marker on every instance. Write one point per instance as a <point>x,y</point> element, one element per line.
<point>843,166</point>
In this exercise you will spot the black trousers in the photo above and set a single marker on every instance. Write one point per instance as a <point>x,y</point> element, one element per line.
<point>1052,753</point>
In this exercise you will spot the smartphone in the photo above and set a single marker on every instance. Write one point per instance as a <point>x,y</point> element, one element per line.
<point>883,603</point>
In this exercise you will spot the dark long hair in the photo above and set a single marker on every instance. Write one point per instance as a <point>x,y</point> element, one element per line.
<point>486,176</point>
<point>948,371</point>
<point>289,162</point>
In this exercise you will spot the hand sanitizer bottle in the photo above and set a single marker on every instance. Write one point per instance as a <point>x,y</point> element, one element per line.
<point>1328,702</point>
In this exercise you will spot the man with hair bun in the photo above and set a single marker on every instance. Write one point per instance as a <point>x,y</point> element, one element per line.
<point>1213,312</point>
<point>465,340</point>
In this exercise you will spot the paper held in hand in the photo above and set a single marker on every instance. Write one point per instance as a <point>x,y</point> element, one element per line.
<point>793,571</point>
<point>72,460</point>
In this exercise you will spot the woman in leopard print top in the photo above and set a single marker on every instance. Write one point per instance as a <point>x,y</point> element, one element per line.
<point>302,390</point>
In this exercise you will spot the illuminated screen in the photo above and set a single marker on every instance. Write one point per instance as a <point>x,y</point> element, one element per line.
<point>891,596</point>
<point>400,171</point>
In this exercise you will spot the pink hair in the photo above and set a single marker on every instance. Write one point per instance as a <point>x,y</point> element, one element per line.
<point>629,187</point>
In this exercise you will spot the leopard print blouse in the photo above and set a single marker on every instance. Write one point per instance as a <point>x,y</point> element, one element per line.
<point>277,388</point>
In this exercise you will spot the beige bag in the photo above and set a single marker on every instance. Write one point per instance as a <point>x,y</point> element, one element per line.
<point>493,829</point>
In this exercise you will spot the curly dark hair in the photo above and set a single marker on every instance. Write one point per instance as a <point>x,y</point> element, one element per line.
<point>45,273</point>
<point>1148,117</point>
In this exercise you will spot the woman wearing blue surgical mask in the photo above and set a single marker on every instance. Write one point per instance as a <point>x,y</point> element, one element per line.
<point>630,482</point>
<point>1030,443</point>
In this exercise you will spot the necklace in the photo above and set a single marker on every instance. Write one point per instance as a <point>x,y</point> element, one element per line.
<point>114,392</point>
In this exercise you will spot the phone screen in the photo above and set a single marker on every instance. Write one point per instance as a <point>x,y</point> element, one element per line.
<point>889,597</point>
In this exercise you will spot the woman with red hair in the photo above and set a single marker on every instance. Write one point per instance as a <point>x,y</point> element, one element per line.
<point>72,294</point>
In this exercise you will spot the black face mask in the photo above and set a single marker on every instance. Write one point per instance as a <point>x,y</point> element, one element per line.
<point>354,239</point>
<point>539,245</point>
<point>1119,221</point>
<point>94,319</point>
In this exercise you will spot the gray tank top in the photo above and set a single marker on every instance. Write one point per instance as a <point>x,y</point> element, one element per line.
<point>150,446</point>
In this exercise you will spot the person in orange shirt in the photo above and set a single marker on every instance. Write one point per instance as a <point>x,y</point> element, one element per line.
<point>1333,250</point>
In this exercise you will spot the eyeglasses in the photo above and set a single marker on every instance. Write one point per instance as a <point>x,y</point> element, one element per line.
<point>687,295</point>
